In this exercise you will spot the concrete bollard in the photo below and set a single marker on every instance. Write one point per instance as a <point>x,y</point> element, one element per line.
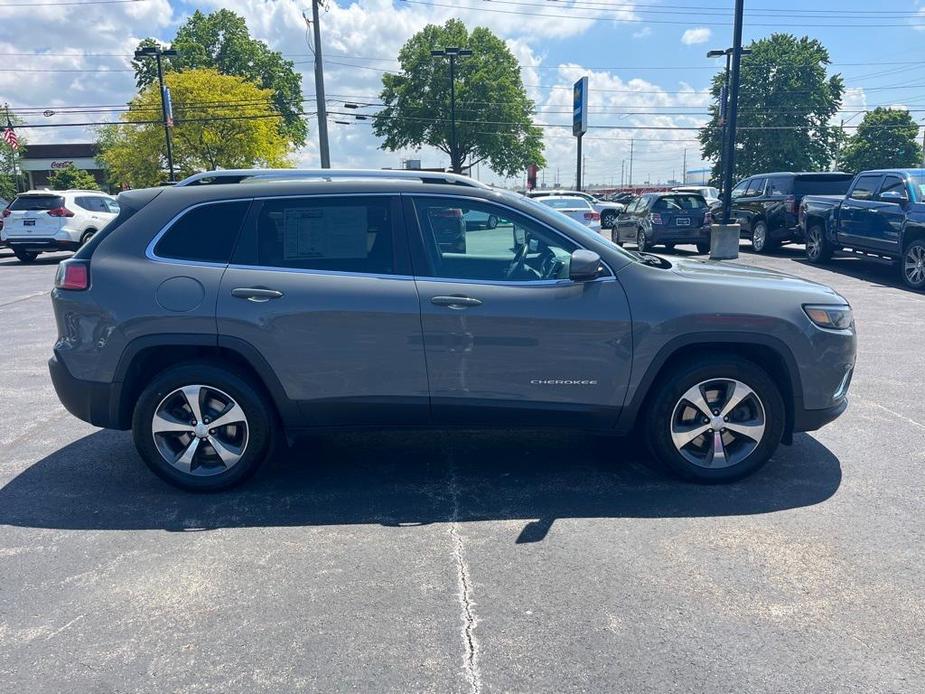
<point>724,241</point>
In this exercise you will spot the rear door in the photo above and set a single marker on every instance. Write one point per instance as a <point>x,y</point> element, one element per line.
<point>857,223</point>
<point>510,340</point>
<point>321,287</point>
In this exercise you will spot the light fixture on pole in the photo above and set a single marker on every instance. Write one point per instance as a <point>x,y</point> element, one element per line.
<point>452,54</point>
<point>158,53</point>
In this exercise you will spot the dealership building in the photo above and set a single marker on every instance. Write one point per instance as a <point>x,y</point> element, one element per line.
<point>38,162</point>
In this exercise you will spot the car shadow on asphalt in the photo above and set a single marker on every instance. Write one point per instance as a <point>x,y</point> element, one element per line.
<point>405,478</point>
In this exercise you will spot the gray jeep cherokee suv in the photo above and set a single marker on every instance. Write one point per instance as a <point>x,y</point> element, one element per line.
<point>211,319</point>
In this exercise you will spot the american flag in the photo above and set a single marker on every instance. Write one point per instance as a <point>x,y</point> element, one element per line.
<point>9,135</point>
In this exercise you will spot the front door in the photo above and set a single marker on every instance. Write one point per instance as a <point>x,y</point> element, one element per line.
<point>856,216</point>
<point>321,287</point>
<point>510,340</point>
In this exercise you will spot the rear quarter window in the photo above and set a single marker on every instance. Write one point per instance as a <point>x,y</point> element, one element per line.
<point>206,233</point>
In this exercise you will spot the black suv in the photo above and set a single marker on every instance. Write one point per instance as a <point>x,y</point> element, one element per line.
<point>767,206</point>
<point>214,319</point>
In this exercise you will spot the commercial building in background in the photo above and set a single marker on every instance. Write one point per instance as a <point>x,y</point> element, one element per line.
<point>38,162</point>
<point>698,177</point>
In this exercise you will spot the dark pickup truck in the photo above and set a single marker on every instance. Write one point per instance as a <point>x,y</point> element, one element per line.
<point>882,215</point>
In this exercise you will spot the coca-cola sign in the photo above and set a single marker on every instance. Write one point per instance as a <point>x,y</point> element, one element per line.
<point>62,164</point>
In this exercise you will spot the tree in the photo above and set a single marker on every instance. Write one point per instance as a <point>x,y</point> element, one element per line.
<point>493,113</point>
<point>72,177</point>
<point>887,138</point>
<point>220,121</point>
<point>786,103</point>
<point>220,40</point>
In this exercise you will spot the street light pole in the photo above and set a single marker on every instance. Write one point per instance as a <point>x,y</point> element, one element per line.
<point>157,52</point>
<point>724,111</point>
<point>452,54</point>
<point>323,149</point>
<point>729,159</point>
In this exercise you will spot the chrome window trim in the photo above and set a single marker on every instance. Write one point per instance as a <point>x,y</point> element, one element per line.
<point>149,249</point>
<point>524,214</point>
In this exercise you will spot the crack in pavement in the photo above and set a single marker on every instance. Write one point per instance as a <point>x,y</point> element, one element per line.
<point>466,601</point>
<point>25,298</point>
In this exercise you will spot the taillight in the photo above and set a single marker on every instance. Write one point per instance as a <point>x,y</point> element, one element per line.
<point>592,217</point>
<point>60,212</point>
<point>707,219</point>
<point>6,212</point>
<point>656,218</point>
<point>73,274</point>
<point>792,204</point>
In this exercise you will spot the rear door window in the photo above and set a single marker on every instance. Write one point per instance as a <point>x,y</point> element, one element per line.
<point>865,187</point>
<point>779,186</point>
<point>343,234</point>
<point>755,188</point>
<point>206,233</point>
<point>37,202</point>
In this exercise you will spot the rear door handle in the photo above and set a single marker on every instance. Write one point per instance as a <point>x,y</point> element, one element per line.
<point>255,294</point>
<point>456,302</point>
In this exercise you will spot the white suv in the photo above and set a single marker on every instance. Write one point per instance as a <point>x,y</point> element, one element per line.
<point>55,220</point>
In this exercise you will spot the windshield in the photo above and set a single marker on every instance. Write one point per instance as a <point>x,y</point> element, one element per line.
<point>576,227</point>
<point>565,203</point>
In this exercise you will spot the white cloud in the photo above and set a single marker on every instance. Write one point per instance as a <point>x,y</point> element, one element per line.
<point>695,36</point>
<point>642,33</point>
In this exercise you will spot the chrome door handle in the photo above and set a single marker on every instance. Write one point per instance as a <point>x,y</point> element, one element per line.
<point>255,294</point>
<point>456,302</point>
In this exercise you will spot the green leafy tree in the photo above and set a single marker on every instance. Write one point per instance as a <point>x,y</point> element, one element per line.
<point>493,113</point>
<point>239,129</point>
<point>11,177</point>
<point>221,41</point>
<point>887,138</point>
<point>786,103</point>
<point>72,177</point>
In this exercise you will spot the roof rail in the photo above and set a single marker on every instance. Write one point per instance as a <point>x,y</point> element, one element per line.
<point>224,176</point>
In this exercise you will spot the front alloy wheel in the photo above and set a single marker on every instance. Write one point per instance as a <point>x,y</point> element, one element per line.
<point>913,265</point>
<point>642,241</point>
<point>717,423</point>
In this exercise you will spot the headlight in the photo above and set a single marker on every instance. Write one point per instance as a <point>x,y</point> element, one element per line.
<point>831,317</point>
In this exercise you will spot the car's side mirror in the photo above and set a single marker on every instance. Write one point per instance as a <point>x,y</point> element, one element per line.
<point>584,265</point>
<point>894,196</point>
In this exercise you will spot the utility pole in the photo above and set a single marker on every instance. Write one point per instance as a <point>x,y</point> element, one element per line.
<point>729,158</point>
<point>622,171</point>
<point>452,54</point>
<point>323,149</point>
<point>632,146</point>
<point>684,168</point>
<point>584,169</point>
<point>158,53</point>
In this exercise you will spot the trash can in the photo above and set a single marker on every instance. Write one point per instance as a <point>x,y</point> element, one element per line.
<point>724,241</point>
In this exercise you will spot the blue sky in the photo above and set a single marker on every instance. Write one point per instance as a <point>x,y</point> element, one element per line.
<point>643,59</point>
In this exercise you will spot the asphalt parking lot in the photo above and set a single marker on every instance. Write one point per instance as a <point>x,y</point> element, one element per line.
<point>469,561</point>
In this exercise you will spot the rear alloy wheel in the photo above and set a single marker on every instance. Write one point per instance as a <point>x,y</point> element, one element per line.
<point>608,219</point>
<point>913,265</point>
<point>202,428</point>
<point>642,241</point>
<point>87,235</point>
<point>760,241</point>
<point>717,419</point>
<point>818,249</point>
<point>703,248</point>
<point>492,221</point>
<point>26,256</point>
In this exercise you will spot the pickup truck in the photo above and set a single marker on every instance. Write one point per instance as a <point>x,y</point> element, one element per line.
<point>883,215</point>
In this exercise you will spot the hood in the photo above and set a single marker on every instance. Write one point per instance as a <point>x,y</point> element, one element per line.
<point>737,275</point>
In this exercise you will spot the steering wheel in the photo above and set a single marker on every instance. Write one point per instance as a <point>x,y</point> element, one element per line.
<point>519,259</point>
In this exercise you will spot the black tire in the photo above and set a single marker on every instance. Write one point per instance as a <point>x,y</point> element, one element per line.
<point>86,236</point>
<point>670,247</point>
<point>257,409</point>
<point>912,265</point>
<point>642,241</point>
<point>668,394</point>
<point>492,221</point>
<point>703,248</point>
<point>26,257</point>
<point>608,219</point>
<point>818,249</point>
<point>760,241</point>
